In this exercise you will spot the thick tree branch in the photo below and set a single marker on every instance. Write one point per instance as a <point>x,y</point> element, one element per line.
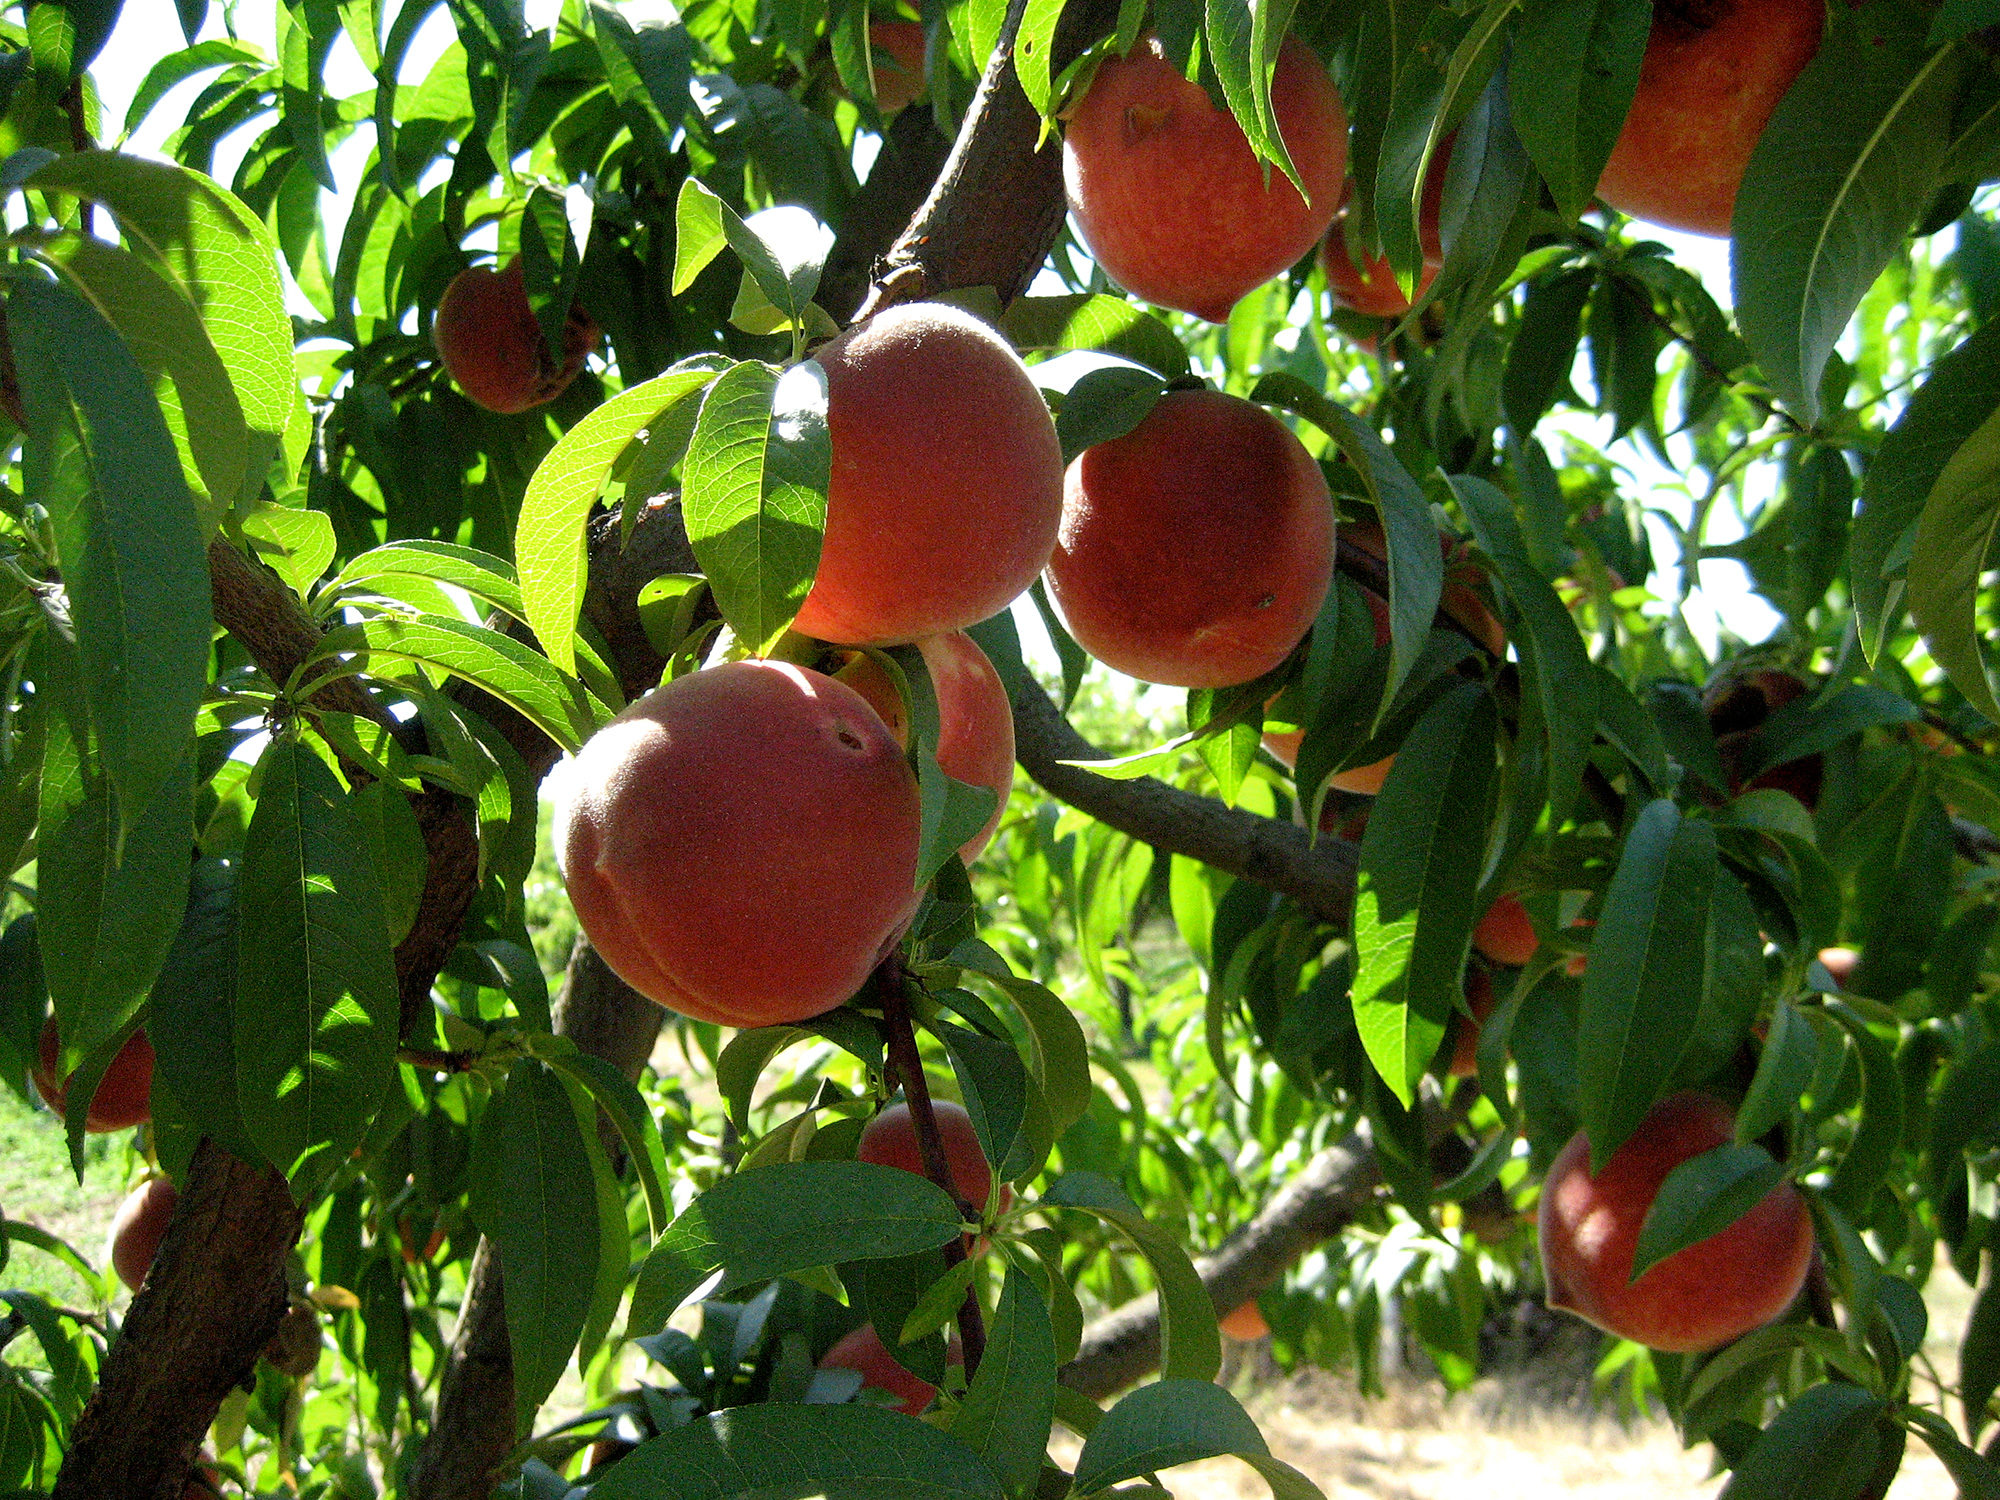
<point>1326,1196</point>
<point>473,1430</point>
<point>912,153</point>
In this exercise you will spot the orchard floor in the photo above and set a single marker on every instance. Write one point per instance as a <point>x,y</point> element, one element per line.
<point>1414,1445</point>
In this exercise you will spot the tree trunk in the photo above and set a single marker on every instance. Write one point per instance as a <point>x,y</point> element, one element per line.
<point>474,1427</point>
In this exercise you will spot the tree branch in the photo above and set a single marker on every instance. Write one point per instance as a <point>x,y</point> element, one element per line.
<point>1326,1196</point>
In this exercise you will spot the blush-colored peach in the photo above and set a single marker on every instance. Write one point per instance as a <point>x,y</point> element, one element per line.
<point>1369,285</point>
<point>1168,195</point>
<point>1197,549</point>
<point>1482,1001</point>
<point>492,347</point>
<point>1506,934</point>
<point>946,487</point>
<point>1246,1324</point>
<point>863,1351</point>
<point>890,1140</point>
<point>740,845</point>
<point>1362,780</point>
<point>1697,1298</point>
<point>1713,74</point>
<point>138,1227</point>
<point>124,1096</point>
<point>899,63</point>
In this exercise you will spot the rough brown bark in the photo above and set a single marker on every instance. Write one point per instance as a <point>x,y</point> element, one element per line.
<point>1123,1347</point>
<point>474,1426</point>
<point>912,153</point>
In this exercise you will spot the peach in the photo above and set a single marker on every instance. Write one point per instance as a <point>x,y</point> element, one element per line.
<point>1169,197</point>
<point>124,1096</point>
<point>1713,74</point>
<point>890,1140</point>
<point>1506,934</point>
<point>1482,1001</point>
<point>898,47</point>
<point>492,347</point>
<point>975,719</point>
<point>863,1350</point>
<point>1577,964</point>
<point>741,843</point>
<point>1697,1298</point>
<point>1369,286</point>
<point>1196,549</point>
<point>138,1227</point>
<point>1737,705</point>
<point>1246,1324</point>
<point>1362,780</point>
<point>947,479</point>
<point>1840,964</point>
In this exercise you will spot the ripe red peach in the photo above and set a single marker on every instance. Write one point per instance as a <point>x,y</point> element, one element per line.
<point>138,1227</point>
<point>947,479</point>
<point>1246,1324</point>
<point>492,347</point>
<point>898,47</point>
<point>124,1096</point>
<point>1464,583</point>
<point>1483,1001</point>
<point>740,844</point>
<point>1196,549</point>
<point>1737,705</point>
<point>864,1351</point>
<point>1840,964</point>
<point>1697,1298</point>
<point>1369,285</point>
<point>890,1140</point>
<point>1506,934</point>
<point>1713,74</point>
<point>975,720</point>
<point>1168,195</point>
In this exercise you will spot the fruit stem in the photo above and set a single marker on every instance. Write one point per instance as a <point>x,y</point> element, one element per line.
<point>906,1066</point>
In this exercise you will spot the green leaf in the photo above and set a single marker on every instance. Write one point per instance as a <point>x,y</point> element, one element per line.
<point>1956,401</point>
<point>225,262</point>
<point>316,1009</point>
<point>1955,533</point>
<point>1701,1197</point>
<point>620,1099</point>
<point>1414,905</point>
<point>1643,989</point>
<point>1574,71</point>
<point>515,673</point>
<point>167,337</point>
<point>1976,1478</point>
<point>1543,353</point>
<point>1557,665</point>
<point>191,1018</point>
<point>549,536</point>
<point>1849,159</point>
<point>703,224</point>
<point>1059,1055</point>
<point>1011,1400</point>
<point>794,1216</point>
<point>296,544</point>
<point>1012,1130</point>
<point>1785,1068</point>
<point>533,1195</point>
<point>1979,1353</point>
<point>1176,1422</point>
<point>1416,565</point>
<point>1190,1346</point>
<point>1824,1444</point>
<point>98,455</point>
<point>781,1451</point>
<point>755,493</point>
<point>1094,322</point>
<point>1105,404</point>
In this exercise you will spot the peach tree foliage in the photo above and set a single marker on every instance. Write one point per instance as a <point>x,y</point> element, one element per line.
<point>249,906</point>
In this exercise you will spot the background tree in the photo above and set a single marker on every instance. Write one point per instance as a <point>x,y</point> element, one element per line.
<point>333,519</point>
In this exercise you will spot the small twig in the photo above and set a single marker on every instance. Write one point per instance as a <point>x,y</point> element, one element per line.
<point>1756,398</point>
<point>439,1062</point>
<point>79,139</point>
<point>907,1067</point>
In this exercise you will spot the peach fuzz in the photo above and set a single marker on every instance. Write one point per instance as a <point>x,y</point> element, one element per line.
<point>138,1228</point>
<point>1505,934</point>
<point>492,347</point>
<point>1195,550</point>
<point>1699,1297</point>
<point>975,719</point>
<point>863,1351</point>
<point>1713,74</point>
<point>947,479</point>
<point>741,844</point>
<point>124,1096</point>
<point>1169,197</point>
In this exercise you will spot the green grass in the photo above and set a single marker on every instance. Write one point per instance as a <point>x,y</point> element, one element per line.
<point>38,1187</point>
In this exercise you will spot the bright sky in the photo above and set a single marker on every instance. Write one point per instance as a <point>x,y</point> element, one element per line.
<point>146,33</point>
